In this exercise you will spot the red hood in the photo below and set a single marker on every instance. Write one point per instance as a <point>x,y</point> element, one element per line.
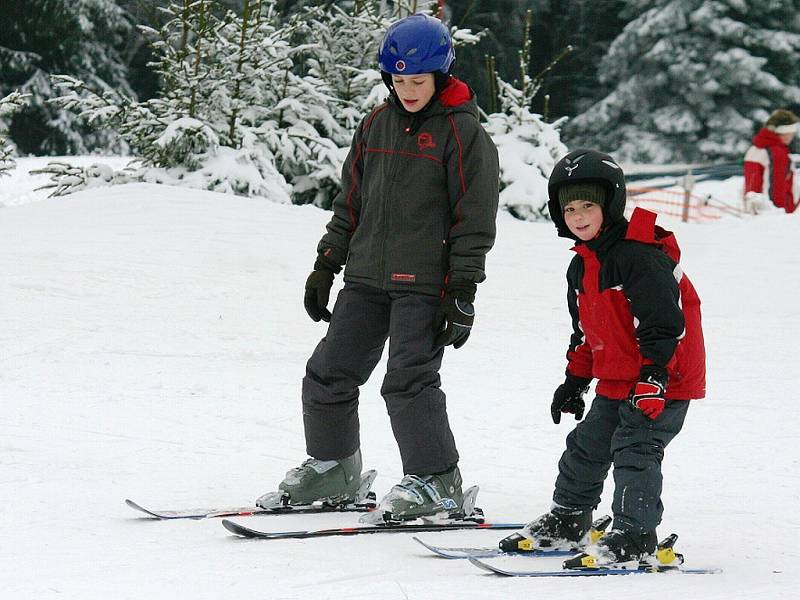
<point>456,93</point>
<point>642,228</point>
<point>766,138</point>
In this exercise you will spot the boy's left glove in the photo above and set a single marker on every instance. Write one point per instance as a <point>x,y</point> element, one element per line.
<point>648,393</point>
<point>568,397</point>
<point>456,314</point>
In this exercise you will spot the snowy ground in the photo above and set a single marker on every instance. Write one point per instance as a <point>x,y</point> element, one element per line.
<point>152,341</point>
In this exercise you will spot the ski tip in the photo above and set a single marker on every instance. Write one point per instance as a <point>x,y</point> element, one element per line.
<point>139,508</point>
<point>421,543</point>
<point>482,565</point>
<point>233,527</point>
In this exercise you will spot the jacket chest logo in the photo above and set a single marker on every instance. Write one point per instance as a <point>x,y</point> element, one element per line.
<point>425,141</point>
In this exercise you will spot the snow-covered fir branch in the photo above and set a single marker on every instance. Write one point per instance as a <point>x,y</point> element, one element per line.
<point>8,106</point>
<point>66,178</point>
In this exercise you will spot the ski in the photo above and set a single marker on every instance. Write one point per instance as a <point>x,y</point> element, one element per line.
<point>643,569</point>
<point>247,511</point>
<point>247,532</point>
<point>365,502</point>
<point>482,552</point>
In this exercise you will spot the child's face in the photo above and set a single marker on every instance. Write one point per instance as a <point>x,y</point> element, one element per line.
<point>786,138</point>
<point>414,91</point>
<point>583,218</point>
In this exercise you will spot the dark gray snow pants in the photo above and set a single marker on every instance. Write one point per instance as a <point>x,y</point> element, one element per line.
<point>615,432</point>
<point>362,320</point>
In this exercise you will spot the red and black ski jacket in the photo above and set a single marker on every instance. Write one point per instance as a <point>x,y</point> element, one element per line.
<point>419,196</point>
<point>631,305</point>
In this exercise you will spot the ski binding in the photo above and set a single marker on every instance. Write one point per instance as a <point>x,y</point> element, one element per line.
<point>519,545</point>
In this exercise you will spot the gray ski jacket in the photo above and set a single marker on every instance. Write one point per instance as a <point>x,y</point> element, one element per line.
<point>419,197</point>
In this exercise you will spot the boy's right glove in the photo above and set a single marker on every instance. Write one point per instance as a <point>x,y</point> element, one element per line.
<point>318,290</point>
<point>454,318</point>
<point>648,393</point>
<point>568,398</point>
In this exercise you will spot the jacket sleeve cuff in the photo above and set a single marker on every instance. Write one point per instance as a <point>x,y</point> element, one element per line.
<point>324,262</point>
<point>571,373</point>
<point>462,289</point>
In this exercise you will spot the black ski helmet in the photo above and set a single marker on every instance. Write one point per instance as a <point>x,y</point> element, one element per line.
<point>587,166</point>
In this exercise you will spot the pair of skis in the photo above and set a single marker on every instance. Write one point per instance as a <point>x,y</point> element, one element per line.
<point>482,558</point>
<point>469,517</point>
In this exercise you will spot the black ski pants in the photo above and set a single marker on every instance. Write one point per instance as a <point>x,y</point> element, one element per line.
<point>362,320</point>
<point>614,432</point>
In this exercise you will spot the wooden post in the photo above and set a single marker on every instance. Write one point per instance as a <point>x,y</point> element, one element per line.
<point>688,186</point>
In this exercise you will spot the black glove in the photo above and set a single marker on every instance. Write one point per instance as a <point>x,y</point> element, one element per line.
<point>568,398</point>
<point>318,290</point>
<point>456,314</point>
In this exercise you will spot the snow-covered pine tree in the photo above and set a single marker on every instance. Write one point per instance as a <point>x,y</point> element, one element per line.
<point>344,46</point>
<point>528,147</point>
<point>692,79</point>
<point>338,59</point>
<point>82,38</point>
<point>222,80</point>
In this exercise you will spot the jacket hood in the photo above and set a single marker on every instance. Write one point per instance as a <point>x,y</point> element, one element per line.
<point>458,95</point>
<point>642,228</point>
<point>766,138</point>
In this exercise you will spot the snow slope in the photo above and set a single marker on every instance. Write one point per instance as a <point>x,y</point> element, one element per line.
<point>152,342</point>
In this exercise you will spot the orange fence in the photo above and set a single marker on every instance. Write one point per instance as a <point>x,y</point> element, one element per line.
<point>683,205</point>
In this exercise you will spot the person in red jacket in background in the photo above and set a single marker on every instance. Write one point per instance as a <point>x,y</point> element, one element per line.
<point>636,328</point>
<point>768,171</point>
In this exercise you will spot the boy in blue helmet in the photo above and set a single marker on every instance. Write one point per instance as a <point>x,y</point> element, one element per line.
<point>411,227</point>
<point>636,328</point>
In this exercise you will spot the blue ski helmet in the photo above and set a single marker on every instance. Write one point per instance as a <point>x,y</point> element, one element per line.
<point>416,44</point>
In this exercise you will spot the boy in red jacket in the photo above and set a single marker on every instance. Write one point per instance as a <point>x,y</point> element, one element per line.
<point>767,169</point>
<point>636,329</point>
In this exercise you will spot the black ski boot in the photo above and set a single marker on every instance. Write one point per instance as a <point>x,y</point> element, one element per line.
<point>559,529</point>
<point>618,548</point>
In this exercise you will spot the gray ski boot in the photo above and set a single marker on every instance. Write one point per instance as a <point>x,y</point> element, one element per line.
<point>432,497</point>
<point>334,482</point>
